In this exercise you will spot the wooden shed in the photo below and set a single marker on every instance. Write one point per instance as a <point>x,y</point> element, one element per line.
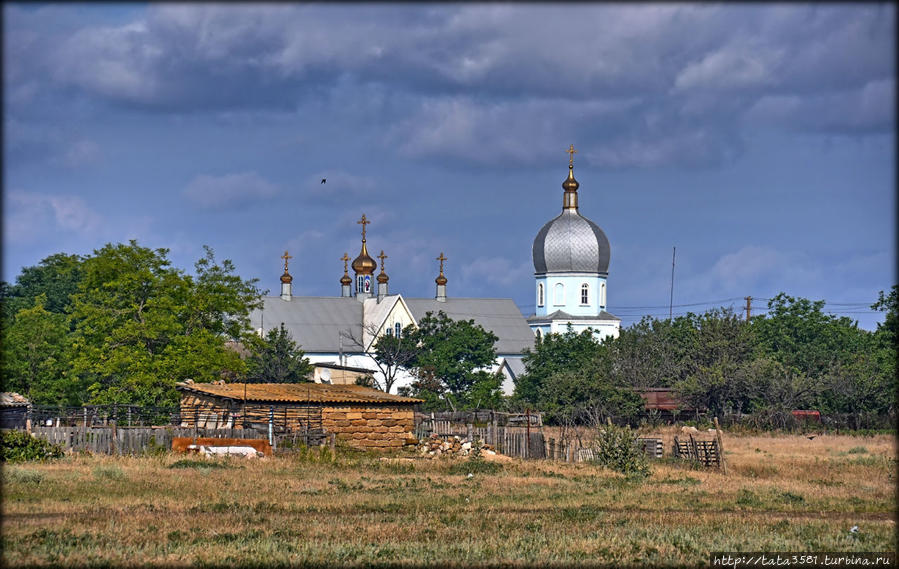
<point>13,411</point>
<point>360,416</point>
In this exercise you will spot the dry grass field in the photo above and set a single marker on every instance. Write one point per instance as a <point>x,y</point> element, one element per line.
<point>782,493</point>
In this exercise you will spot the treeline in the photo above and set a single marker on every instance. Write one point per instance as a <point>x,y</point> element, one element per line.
<point>123,326</point>
<point>793,357</point>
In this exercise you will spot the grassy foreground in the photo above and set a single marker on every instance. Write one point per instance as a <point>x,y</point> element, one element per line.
<point>782,493</point>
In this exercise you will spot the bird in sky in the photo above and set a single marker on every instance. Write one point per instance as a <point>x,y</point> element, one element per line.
<point>324,180</point>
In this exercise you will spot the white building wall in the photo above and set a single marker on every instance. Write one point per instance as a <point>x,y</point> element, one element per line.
<point>571,300</point>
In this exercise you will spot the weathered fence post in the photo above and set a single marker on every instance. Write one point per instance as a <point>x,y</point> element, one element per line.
<point>527,448</point>
<point>720,446</point>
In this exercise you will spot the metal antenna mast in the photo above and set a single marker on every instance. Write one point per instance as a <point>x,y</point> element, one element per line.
<point>671,300</point>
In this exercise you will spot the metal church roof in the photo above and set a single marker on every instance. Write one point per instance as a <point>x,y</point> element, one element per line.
<point>498,315</point>
<point>314,322</point>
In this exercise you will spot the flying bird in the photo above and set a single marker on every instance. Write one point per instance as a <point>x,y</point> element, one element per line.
<point>324,180</point>
<point>811,438</point>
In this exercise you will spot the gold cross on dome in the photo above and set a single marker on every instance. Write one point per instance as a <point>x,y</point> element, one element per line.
<point>382,256</point>
<point>285,256</point>
<point>441,258</point>
<point>345,258</point>
<point>364,222</point>
<point>571,152</point>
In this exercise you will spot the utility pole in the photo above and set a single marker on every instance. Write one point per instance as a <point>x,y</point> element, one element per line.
<point>671,300</point>
<point>748,306</point>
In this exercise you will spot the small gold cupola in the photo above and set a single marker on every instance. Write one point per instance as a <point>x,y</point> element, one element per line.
<point>286,279</point>
<point>382,276</point>
<point>441,280</point>
<point>570,185</point>
<point>345,281</point>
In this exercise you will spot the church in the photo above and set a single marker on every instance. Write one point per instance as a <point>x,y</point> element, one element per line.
<point>571,261</point>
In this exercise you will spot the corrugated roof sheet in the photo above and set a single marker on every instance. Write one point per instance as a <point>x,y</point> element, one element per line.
<point>314,322</point>
<point>12,399</point>
<point>296,392</point>
<point>499,315</point>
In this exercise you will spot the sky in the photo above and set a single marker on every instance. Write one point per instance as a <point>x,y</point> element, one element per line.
<point>756,139</point>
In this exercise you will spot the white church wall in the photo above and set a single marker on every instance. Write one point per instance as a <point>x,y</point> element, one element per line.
<point>570,301</point>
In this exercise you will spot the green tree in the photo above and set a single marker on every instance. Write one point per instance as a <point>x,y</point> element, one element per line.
<point>888,330</point>
<point>142,325</point>
<point>37,354</point>
<point>56,277</point>
<point>277,359</point>
<point>798,333</point>
<point>656,353</point>
<point>393,354</point>
<point>553,354</point>
<point>450,351</point>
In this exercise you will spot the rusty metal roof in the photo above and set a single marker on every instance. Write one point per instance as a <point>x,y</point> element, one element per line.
<point>12,399</point>
<point>296,392</point>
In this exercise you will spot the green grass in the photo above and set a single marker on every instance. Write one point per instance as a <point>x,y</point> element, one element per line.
<point>355,509</point>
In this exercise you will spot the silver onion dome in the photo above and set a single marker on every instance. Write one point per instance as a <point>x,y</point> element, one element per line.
<point>571,243</point>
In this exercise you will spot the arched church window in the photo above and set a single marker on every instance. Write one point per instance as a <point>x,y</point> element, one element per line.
<point>540,294</point>
<point>585,293</point>
<point>559,294</point>
<point>539,335</point>
<point>399,329</point>
<point>389,331</point>
<point>602,295</point>
<point>360,283</point>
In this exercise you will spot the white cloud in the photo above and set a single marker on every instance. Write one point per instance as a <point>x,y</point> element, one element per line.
<point>229,190</point>
<point>31,215</point>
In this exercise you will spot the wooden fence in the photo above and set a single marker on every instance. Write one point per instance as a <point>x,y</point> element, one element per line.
<point>510,441</point>
<point>132,440</point>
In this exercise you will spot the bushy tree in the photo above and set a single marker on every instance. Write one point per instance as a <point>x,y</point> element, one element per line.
<point>56,277</point>
<point>277,359</point>
<point>552,355</point>
<point>142,325</point>
<point>393,354</point>
<point>37,356</point>
<point>570,377</point>
<point>448,357</point>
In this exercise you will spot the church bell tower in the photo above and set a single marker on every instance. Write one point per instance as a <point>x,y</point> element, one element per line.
<point>364,267</point>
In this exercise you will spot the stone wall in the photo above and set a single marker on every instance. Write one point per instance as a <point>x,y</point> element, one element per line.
<point>370,427</point>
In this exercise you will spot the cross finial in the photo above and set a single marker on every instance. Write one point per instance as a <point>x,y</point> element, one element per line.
<point>345,258</point>
<point>285,256</point>
<point>571,152</point>
<point>364,222</point>
<point>441,258</point>
<point>382,256</point>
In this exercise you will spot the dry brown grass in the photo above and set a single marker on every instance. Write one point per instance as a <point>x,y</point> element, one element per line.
<point>783,493</point>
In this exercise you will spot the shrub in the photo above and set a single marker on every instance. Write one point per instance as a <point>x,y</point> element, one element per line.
<point>618,449</point>
<point>111,472</point>
<point>19,446</point>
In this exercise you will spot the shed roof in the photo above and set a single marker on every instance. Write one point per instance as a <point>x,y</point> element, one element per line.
<point>296,392</point>
<point>12,399</point>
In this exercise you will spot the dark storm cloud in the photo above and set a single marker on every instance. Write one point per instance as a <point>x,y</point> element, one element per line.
<point>446,79</point>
